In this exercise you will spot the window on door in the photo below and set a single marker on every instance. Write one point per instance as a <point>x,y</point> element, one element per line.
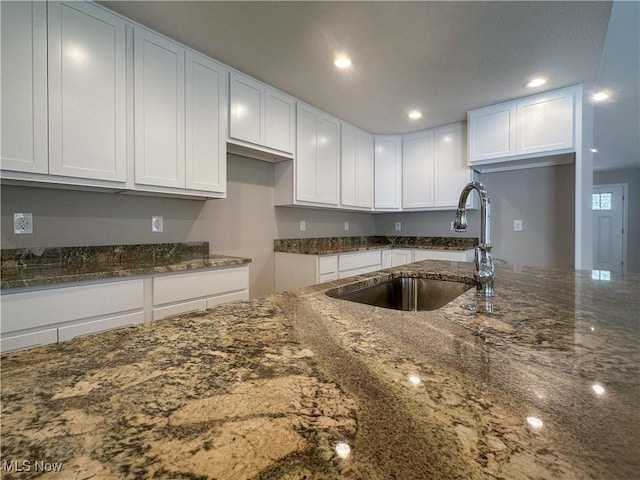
<point>601,201</point>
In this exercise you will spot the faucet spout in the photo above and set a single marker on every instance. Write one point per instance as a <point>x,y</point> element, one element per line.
<point>485,270</point>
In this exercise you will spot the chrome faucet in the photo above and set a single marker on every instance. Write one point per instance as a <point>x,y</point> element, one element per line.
<point>485,273</point>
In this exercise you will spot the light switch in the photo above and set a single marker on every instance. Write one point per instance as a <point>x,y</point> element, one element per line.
<point>303,225</point>
<point>346,226</point>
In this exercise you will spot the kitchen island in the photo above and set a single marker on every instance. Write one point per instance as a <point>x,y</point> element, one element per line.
<point>541,381</point>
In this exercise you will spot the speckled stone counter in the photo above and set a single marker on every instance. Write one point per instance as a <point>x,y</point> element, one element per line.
<point>330,245</point>
<point>266,389</point>
<point>33,267</point>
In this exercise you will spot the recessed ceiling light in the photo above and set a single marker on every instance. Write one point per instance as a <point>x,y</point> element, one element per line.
<point>600,96</point>
<point>415,114</point>
<point>536,82</point>
<point>593,150</point>
<point>342,61</point>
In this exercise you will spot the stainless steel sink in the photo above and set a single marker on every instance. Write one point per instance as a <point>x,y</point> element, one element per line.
<point>405,293</point>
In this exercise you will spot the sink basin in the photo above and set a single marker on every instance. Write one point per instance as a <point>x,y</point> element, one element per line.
<point>405,293</point>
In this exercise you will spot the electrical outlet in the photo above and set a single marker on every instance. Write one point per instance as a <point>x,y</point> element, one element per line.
<point>398,226</point>
<point>517,225</point>
<point>22,223</point>
<point>157,224</point>
<point>303,225</point>
<point>346,226</point>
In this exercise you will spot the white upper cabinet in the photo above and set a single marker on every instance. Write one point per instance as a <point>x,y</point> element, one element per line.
<point>159,110</point>
<point>529,127</point>
<point>180,118</point>
<point>356,167</point>
<point>418,170</point>
<point>24,86</point>
<point>545,122</point>
<point>388,173</point>
<point>280,123</point>
<point>246,109</point>
<point>434,168</point>
<point>206,124</point>
<point>260,115</point>
<point>317,159</point>
<point>492,132</point>
<point>451,172</point>
<point>87,92</point>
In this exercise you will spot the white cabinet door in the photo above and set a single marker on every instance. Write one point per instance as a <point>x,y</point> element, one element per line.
<point>87,92</point>
<point>356,163</point>
<point>545,122</point>
<point>247,104</point>
<point>24,86</point>
<point>451,170</point>
<point>159,110</point>
<point>401,257</point>
<point>317,175</point>
<point>280,122</point>
<point>492,132</point>
<point>388,173</point>
<point>206,124</point>
<point>417,170</point>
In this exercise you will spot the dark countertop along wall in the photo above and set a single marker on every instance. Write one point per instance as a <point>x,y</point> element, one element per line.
<point>33,267</point>
<point>330,245</point>
<point>268,388</point>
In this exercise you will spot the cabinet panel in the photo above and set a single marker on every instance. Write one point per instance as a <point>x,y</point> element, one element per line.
<point>356,168</point>
<point>22,311</point>
<point>327,264</point>
<point>327,174</point>
<point>349,261</point>
<point>306,158</point>
<point>102,325</point>
<point>388,172</point>
<point>451,170</point>
<point>206,158</point>
<point>26,340</point>
<point>492,132</point>
<point>316,172</point>
<point>247,103</point>
<point>159,111</point>
<point>280,121</point>
<point>447,255</point>
<point>401,257</point>
<point>417,170</point>
<point>24,145</point>
<point>177,288</point>
<point>87,92</point>
<point>545,123</point>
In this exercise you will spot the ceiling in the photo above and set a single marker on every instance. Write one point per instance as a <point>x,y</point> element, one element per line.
<point>442,58</point>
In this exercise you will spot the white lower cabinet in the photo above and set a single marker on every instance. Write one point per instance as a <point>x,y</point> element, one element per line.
<point>173,294</point>
<point>29,318</point>
<point>50,315</point>
<point>401,257</point>
<point>420,254</point>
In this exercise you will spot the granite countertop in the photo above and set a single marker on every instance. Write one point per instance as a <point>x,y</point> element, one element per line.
<point>267,389</point>
<point>331,245</point>
<point>35,267</point>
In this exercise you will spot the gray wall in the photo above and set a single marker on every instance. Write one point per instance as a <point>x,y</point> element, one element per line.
<point>541,197</point>
<point>630,176</point>
<point>244,224</point>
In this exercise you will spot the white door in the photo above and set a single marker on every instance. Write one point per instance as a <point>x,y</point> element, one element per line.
<point>24,86</point>
<point>608,227</point>
<point>246,112</point>
<point>417,170</point>
<point>388,172</point>
<point>206,124</point>
<point>87,92</point>
<point>159,110</point>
